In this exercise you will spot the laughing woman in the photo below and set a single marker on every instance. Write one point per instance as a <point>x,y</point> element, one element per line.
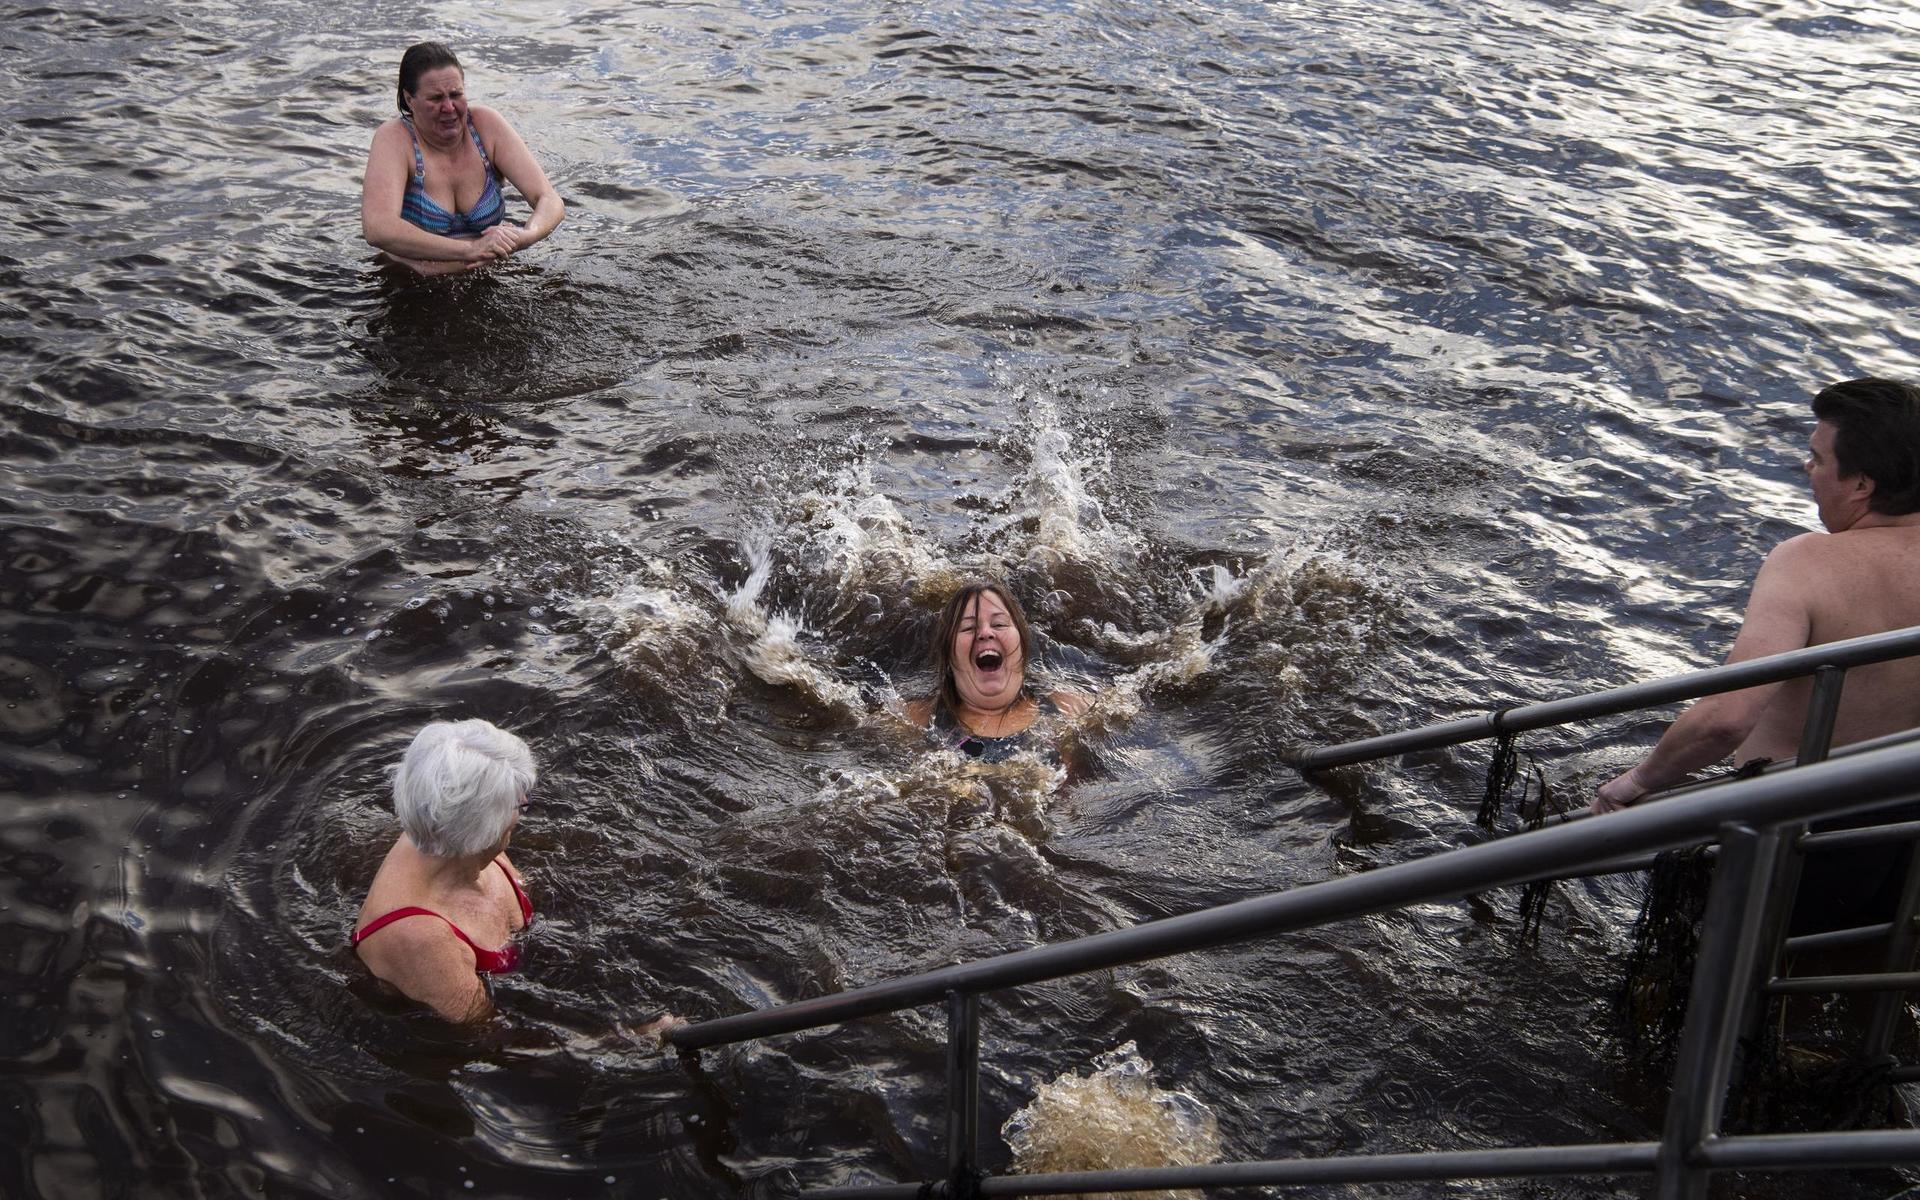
<point>983,707</point>
<point>431,197</point>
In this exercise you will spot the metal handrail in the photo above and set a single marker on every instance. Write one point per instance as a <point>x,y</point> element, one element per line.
<point>1759,823</point>
<point>1853,652</point>
<point>1871,780</point>
<point>1796,795</point>
<point>1779,1152</point>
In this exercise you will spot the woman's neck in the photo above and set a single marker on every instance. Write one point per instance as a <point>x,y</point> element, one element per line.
<point>452,874</point>
<point>429,137</point>
<point>997,722</point>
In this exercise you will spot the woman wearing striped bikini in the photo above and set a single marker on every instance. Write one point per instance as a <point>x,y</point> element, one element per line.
<point>431,197</point>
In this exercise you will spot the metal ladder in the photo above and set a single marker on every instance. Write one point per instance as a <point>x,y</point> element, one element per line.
<point>1758,826</point>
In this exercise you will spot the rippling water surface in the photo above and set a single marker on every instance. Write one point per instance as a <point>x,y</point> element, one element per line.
<point>1311,370</point>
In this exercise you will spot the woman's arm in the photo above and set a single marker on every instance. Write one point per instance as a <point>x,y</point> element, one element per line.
<point>429,965</point>
<point>382,190</point>
<point>522,170</point>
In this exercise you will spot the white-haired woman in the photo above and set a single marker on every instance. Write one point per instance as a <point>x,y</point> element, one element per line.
<point>446,903</point>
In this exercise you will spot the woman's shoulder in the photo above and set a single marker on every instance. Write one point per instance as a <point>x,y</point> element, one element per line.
<point>420,928</point>
<point>392,143</point>
<point>920,712</point>
<point>1070,704</point>
<point>487,120</point>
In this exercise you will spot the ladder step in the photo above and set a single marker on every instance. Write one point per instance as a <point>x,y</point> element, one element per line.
<point>1898,981</point>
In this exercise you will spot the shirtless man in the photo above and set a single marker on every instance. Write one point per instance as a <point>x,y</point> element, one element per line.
<point>1861,577</point>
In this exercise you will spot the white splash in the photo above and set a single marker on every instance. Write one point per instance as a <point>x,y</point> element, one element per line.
<point>779,653</point>
<point>780,656</point>
<point>1114,1118</point>
<point>1069,522</point>
<point>1216,589</point>
<point>859,537</point>
<point>655,624</point>
<point>743,607</point>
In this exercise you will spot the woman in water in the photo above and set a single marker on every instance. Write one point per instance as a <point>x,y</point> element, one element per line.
<point>981,647</point>
<point>431,197</point>
<point>445,904</point>
<point>446,895</point>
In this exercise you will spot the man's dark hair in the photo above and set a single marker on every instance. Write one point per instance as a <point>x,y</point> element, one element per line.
<point>1876,433</point>
<point>420,58</point>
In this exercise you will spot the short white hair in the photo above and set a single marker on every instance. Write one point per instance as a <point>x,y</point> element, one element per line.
<point>458,787</point>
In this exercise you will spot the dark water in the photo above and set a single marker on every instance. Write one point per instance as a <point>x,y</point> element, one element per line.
<point>1311,371</point>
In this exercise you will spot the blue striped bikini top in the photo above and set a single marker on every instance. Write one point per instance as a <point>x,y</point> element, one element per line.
<point>419,208</point>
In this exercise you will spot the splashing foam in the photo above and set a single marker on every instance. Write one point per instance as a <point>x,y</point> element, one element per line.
<point>655,625</point>
<point>860,538</point>
<point>778,654</point>
<point>1070,525</point>
<point>1114,1118</point>
<point>779,657</point>
<point>1017,788</point>
<point>1314,619</point>
<point>1177,657</point>
<point>743,607</point>
<point>1294,619</point>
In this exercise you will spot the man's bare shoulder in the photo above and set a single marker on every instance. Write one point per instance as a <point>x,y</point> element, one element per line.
<point>1823,551</point>
<point>1818,551</point>
<point>1800,545</point>
<point>1799,556</point>
<point>1854,582</point>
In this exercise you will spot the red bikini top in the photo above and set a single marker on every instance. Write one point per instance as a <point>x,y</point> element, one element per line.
<point>485,962</point>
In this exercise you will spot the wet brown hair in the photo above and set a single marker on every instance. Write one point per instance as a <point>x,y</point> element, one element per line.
<point>420,58</point>
<point>940,654</point>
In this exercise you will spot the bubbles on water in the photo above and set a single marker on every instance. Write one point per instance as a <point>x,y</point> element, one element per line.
<point>1113,1118</point>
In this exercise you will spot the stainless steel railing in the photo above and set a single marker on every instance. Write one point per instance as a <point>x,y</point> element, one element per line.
<point>1854,652</point>
<point>1757,824</point>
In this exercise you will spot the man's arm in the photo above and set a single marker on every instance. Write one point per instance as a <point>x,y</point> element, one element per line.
<point>1778,619</point>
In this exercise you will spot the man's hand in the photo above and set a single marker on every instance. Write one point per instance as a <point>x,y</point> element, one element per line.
<point>1619,792</point>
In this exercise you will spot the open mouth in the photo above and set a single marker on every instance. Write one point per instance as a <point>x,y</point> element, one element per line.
<point>988,660</point>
